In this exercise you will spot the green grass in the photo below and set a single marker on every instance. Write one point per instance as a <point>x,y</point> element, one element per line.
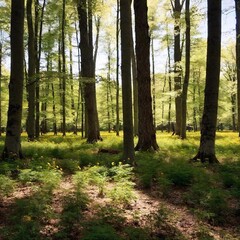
<point>207,191</point>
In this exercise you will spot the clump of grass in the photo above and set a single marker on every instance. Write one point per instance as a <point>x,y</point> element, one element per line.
<point>122,191</point>
<point>7,186</point>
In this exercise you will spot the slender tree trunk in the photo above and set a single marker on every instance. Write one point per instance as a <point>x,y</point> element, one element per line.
<point>63,70</point>
<point>125,24</point>
<point>194,103</point>
<point>187,71</point>
<point>117,68</point>
<point>31,86</point>
<point>206,150</point>
<point>54,112</point>
<point>73,111</point>
<point>146,131</point>
<point>177,8</point>
<point>0,89</point>
<point>38,50</point>
<point>237,10</point>
<point>153,84</point>
<point>12,148</point>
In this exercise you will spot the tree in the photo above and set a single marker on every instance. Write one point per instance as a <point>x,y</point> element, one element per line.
<point>12,148</point>
<point>88,70</point>
<point>187,72</point>
<point>237,9</point>
<point>206,151</point>
<point>177,8</point>
<point>31,85</point>
<point>146,130</point>
<point>125,25</point>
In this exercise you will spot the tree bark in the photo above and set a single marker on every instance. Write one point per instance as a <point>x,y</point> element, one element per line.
<point>31,85</point>
<point>87,67</point>
<point>187,71</point>
<point>12,148</point>
<point>237,10</point>
<point>206,150</point>
<point>125,24</point>
<point>146,131</point>
<point>0,89</point>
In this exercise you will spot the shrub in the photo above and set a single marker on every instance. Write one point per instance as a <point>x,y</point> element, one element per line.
<point>7,186</point>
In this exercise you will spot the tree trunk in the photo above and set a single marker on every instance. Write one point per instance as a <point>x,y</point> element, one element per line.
<point>117,69</point>
<point>206,150</point>
<point>187,71</point>
<point>0,89</point>
<point>125,24</point>
<point>153,85</point>
<point>177,8</point>
<point>12,148</point>
<point>31,85</point>
<point>87,67</point>
<point>38,50</point>
<point>146,131</point>
<point>63,70</point>
<point>237,10</point>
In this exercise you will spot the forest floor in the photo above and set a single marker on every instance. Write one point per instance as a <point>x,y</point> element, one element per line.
<point>176,221</point>
<point>52,195</point>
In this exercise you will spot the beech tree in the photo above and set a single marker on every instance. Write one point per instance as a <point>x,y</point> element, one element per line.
<point>88,70</point>
<point>237,10</point>
<point>125,25</point>
<point>206,151</point>
<point>12,148</point>
<point>146,130</point>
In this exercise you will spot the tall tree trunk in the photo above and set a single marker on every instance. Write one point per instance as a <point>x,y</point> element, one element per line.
<point>0,89</point>
<point>177,8</point>
<point>146,131</point>
<point>87,67</point>
<point>54,112</point>
<point>206,150</point>
<point>153,84</point>
<point>63,70</point>
<point>187,71</point>
<point>12,148</point>
<point>73,110</point>
<point>38,50</point>
<point>117,69</point>
<point>194,103</point>
<point>125,25</point>
<point>31,85</point>
<point>237,10</point>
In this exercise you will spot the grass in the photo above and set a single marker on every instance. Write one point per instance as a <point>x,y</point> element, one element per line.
<point>211,193</point>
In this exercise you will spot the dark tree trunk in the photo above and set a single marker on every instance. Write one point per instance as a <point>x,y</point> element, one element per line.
<point>31,85</point>
<point>237,10</point>
<point>187,71</point>
<point>0,89</point>
<point>206,150</point>
<point>125,24</point>
<point>63,70</point>
<point>38,50</point>
<point>146,131</point>
<point>12,148</point>
<point>177,8</point>
<point>87,67</point>
<point>117,69</point>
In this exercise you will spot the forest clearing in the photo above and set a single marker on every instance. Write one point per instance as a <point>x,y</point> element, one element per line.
<point>65,188</point>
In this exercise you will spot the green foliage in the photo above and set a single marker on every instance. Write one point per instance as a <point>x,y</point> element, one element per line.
<point>101,232</point>
<point>7,186</point>
<point>122,191</point>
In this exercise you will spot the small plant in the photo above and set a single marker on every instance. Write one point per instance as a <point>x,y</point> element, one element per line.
<point>122,191</point>
<point>7,186</point>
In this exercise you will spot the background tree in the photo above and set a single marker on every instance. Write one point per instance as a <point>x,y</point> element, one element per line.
<point>12,148</point>
<point>31,84</point>
<point>187,71</point>
<point>146,130</point>
<point>125,25</point>
<point>206,150</point>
